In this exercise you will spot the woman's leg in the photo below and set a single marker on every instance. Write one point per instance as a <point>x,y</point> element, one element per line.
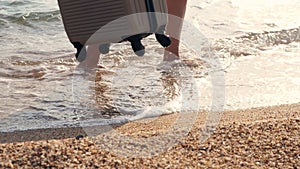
<point>92,57</point>
<point>175,8</point>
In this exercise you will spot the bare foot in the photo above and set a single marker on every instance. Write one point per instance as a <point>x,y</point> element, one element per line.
<point>91,60</point>
<point>169,56</point>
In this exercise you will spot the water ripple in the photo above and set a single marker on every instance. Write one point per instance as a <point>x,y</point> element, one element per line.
<point>253,43</point>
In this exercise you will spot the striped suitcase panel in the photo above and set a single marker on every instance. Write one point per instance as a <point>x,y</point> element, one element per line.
<point>83,18</point>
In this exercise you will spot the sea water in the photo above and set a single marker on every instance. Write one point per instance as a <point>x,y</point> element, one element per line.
<point>41,87</point>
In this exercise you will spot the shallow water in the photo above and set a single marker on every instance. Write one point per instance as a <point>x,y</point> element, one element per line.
<point>41,86</point>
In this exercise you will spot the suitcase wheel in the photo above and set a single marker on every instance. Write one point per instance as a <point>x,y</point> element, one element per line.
<point>136,44</point>
<point>81,51</point>
<point>164,40</point>
<point>138,48</point>
<point>81,54</point>
<point>104,49</point>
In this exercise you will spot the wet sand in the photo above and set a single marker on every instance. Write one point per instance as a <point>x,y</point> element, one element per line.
<point>252,138</point>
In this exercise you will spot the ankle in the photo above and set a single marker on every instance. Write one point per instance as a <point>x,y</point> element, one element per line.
<point>169,56</point>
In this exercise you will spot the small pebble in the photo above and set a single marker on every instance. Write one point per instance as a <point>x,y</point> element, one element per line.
<point>79,137</point>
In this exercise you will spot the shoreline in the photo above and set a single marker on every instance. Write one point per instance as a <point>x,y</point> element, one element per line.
<point>249,115</point>
<point>257,137</point>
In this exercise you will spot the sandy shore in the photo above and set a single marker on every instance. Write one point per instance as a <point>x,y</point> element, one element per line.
<point>253,138</point>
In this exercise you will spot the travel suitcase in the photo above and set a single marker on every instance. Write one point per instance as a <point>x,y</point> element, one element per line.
<point>112,21</point>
